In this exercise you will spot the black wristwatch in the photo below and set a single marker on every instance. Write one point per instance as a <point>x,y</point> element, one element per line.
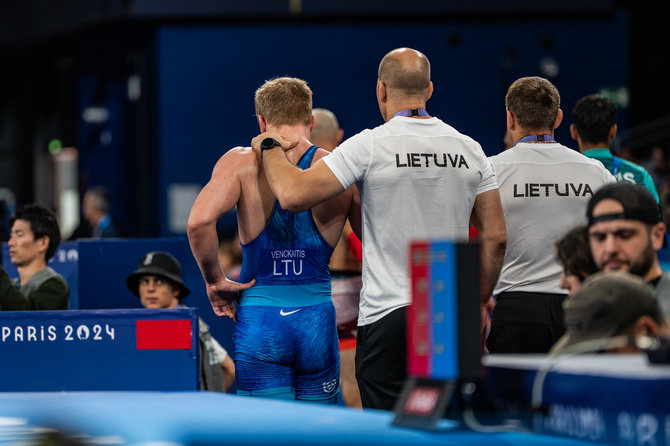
<point>269,143</point>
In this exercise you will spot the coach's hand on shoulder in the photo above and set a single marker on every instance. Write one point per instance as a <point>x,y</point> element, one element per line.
<point>285,144</point>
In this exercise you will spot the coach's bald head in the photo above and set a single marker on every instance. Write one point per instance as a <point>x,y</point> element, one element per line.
<point>405,70</point>
<point>404,78</point>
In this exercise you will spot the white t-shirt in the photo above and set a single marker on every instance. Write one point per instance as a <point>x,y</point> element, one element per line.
<point>418,179</point>
<point>544,189</point>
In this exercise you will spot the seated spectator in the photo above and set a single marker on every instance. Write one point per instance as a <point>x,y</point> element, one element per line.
<point>95,207</point>
<point>158,284</point>
<point>34,237</point>
<point>574,254</point>
<point>611,312</point>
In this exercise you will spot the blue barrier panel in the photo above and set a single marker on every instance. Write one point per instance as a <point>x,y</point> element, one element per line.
<point>104,265</point>
<point>99,350</point>
<point>606,398</point>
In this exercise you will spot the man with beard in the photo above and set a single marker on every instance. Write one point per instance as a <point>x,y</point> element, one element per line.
<point>625,231</point>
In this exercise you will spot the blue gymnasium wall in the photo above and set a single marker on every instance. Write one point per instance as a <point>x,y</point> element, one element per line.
<point>206,78</point>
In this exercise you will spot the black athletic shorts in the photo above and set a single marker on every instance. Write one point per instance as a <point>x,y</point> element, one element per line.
<point>381,360</point>
<point>525,322</point>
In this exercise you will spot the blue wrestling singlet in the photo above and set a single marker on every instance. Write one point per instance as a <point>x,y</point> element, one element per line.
<point>286,335</point>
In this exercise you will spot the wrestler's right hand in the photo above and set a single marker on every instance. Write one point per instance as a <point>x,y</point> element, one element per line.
<point>223,293</point>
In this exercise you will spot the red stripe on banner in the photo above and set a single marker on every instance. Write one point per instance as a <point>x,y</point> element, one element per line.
<point>419,333</point>
<point>163,334</point>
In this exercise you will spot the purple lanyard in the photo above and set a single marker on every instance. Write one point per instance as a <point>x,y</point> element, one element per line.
<point>409,112</point>
<point>537,138</point>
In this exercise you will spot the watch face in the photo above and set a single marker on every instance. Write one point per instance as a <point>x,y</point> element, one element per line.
<point>267,143</point>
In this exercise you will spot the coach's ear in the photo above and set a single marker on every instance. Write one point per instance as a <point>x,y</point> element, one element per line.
<point>429,93</point>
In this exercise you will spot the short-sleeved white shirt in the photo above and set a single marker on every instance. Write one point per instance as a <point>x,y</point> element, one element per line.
<point>544,190</point>
<point>418,179</point>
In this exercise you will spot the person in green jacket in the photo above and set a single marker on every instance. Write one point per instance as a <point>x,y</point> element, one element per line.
<point>594,128</point>
<point>34,237</point>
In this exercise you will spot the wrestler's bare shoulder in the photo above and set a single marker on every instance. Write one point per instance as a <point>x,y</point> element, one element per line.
<point>239,157</point>
<point>241,152</point>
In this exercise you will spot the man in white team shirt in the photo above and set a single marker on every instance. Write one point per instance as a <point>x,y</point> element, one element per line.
<point>544,188</point>
<point>418,178</point>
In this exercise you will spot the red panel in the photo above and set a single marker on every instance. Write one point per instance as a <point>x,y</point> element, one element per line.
<point>163,334</point>
<point>418,313</point>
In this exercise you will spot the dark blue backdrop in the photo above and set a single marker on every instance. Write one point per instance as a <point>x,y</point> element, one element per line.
<point>203,78</point>
<point>207,78</point>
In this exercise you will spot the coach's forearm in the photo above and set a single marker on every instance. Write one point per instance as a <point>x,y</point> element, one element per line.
<point>286,181</point>
<point>493,247</point>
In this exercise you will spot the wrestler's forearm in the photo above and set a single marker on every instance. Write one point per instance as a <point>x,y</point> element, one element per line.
<point>205,247</point>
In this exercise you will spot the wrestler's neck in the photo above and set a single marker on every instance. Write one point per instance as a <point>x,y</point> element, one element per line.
<point>298,133</point>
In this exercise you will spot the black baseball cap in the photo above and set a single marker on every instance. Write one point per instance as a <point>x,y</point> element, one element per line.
<point>604,306</point>
<point>637,201</point>
<point>160,264</point>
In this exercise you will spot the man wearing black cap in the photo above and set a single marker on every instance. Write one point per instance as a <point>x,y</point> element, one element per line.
<point>158,284</point>
<point>611,312</point>
<point>625,231</point>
